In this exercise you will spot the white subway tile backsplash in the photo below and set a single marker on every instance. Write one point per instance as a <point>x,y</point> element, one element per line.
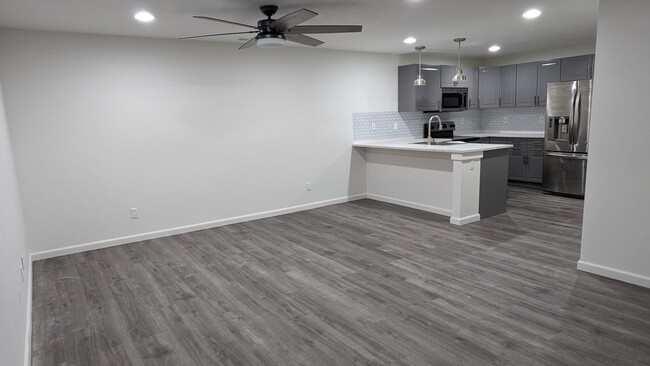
<point>381,125</point>
<point>513,119</point>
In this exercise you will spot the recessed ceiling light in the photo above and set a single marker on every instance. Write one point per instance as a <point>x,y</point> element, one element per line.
<point>532,14</point>
<point>494,48</point>
<point>144,16</point>
<point>410,40</point>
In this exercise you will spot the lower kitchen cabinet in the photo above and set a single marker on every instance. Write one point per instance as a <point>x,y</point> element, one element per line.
<point>534,160</point>
<point>525,159</point>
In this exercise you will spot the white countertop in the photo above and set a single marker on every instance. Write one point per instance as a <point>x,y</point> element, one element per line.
<point>408,144</point>
<point>522,134</point>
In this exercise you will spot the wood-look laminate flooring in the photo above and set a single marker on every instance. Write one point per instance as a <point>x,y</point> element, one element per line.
<point>360,283</point>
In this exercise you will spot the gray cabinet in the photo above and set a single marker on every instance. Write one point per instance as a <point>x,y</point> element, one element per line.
<point>508,80</point>
<point>535,160</point>
<point>526,85</point>
<point>532,79</point>
<point>446,81</point>
<point>547,72</point>
<point>447,77</point>
<point>412,98</point>
<point>517,159</point>
<point>472,87</point>
<point>577,68</point>
<point>525,159</point>
<point>489,87</point>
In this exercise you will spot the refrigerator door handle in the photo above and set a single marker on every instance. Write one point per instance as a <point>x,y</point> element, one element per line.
<point>572,117</point>
<point>576,119</point>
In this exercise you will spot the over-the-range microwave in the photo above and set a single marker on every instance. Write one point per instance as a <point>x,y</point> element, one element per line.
<point>453,99</point>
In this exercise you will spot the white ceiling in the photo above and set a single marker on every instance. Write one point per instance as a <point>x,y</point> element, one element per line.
<point>435,23</point>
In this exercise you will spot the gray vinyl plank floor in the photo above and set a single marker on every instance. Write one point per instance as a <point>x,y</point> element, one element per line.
<point>360,283</point>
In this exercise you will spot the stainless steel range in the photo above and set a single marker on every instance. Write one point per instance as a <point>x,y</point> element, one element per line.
<point>566,141</point>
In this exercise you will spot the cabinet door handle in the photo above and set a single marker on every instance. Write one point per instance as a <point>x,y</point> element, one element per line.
<point>499,101</point>
<point>469,103</point>
<point>438,104</point>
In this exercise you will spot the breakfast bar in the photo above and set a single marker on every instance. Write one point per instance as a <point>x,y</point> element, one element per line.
<point>464,181</point>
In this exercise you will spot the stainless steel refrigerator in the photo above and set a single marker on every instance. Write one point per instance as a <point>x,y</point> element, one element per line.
<point>566,139</point>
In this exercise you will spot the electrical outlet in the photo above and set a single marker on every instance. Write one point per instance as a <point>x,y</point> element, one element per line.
<point>308,186</point>
<point>505,120</point>
<point>374,125</point>
<point>541,119</point>
<point>395,126</point>
<point>134,213</point>
<point>462,120</point>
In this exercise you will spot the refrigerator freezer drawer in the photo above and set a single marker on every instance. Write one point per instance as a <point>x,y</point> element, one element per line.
<point>564,173</point>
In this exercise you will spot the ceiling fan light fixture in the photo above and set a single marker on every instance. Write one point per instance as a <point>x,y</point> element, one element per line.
<point>270,40</point>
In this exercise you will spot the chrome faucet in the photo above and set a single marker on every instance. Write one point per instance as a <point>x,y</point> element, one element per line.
<point>439,126</point>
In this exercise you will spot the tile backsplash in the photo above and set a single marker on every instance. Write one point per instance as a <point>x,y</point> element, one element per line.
<point>387,125</point>
<point>513,119</point>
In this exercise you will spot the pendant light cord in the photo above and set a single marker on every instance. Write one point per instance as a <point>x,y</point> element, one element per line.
<point>458,56</point>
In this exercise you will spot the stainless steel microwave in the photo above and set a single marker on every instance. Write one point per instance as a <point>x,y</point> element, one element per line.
<point>453,99</point>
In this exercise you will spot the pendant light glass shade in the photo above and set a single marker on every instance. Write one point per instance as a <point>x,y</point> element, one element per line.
<point>419,81</point>
<point>459,71</point>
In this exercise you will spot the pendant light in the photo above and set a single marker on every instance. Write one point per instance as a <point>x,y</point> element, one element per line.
<point>459,72</point>
<point>419,81</point>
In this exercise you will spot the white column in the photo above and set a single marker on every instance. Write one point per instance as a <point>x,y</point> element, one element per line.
<point>465,188</point>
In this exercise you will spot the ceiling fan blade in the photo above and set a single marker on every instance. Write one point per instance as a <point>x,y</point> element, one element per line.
<point>293,19</point>
<point>223,21</point>
<point>217,34</point>
<point>249,43</point>
<point>310,29</point>
<point>299,38</point>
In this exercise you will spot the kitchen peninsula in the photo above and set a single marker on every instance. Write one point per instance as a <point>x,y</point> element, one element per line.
<point>463,181</point>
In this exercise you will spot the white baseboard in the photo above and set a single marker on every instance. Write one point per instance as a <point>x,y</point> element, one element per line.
<point>614,273</point>
<point>185,229</point>
<point>28,315</point>
<point>465,220</point>
<point>418,206</point>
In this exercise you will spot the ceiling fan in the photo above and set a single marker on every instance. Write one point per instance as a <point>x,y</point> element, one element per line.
<point>275,32</point>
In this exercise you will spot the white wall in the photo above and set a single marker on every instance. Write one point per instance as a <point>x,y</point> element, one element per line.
<point>186,131</point>
<point>539,55</point>
<point>616,234</point>
<point>13,284</point>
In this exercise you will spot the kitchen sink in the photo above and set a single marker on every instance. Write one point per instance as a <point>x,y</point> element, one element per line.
<point>446,142</point>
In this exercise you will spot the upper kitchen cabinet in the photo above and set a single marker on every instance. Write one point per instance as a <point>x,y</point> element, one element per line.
<point>577,68</point>
<point>472,87</point>
<point>547,72</point>
<point>412,98</point>
<point>448,72</point>
<point>532,78</point>
<point>526,85</point>
<point>446,81</point>
<point>508,76</point>
<point>489,87</point>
